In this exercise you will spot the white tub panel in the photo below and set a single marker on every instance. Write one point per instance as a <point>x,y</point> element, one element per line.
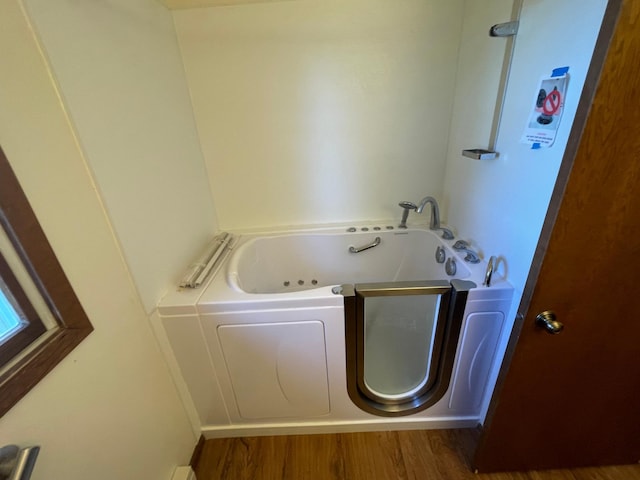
<point>190,352</point>
<point>331,355</point>
<point>277,370</point>
<point>479,340</point>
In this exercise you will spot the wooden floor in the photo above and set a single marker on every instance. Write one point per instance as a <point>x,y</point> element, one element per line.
<point>410,455</point>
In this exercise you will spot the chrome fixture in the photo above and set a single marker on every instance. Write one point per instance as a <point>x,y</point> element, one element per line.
<point>479,154</point>
<point>507,29</point>
<point>440,254</point>
<point>462,246</point>
<point>450,267</point>
<point>446,233</point>
<point>491,266</point>
<point>434,223</point>
<point>407,207</point>
<point>547,320</point>
<point>435,211</point>
<point>17,463</point>
<point>375,243</point>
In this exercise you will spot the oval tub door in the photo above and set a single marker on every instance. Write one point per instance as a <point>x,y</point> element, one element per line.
<point>401,339</point>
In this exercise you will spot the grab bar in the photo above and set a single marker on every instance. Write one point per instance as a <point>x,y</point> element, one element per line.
<point>375,243</point>
<point>212,257</point>
<point>491,266</point>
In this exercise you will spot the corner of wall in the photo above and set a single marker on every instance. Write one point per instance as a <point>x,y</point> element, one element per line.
<point>183,473</point>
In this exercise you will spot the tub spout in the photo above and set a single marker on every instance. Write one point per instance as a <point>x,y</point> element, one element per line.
<point>434,223</point>
<point>435,211</point>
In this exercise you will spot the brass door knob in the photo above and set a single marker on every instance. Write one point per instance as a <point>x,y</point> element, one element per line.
<point>547,320</point>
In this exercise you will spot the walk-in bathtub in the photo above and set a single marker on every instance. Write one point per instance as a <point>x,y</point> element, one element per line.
<point>265,347</point>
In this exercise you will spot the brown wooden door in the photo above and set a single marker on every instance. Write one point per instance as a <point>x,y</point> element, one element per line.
<point>573,399</point>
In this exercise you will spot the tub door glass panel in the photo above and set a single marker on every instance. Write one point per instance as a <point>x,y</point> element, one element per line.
<point>399,333</point>
<point>401,326</point>
<point>401,342</point>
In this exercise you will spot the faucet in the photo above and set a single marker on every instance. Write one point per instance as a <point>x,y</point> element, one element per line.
<point>434,224</point>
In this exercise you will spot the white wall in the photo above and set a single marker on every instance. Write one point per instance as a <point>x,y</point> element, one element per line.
<point>119,70</point>
<point>109,410</point>
<point>480,61</point>
<point>321,111</point>
<point>500,205</point>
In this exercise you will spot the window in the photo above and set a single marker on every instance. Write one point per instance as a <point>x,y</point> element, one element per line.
<point>20,324</point>
<point>41,319</point>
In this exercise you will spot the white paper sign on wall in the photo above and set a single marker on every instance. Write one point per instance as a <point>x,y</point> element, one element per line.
<point>546,112</point>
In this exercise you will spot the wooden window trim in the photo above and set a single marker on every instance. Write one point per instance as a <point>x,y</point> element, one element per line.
<point>24,231</point>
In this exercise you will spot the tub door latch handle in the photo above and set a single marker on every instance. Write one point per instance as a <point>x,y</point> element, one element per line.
<point>375,243</point>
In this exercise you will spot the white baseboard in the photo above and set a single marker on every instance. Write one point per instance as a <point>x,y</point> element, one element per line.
<point>183,473</point>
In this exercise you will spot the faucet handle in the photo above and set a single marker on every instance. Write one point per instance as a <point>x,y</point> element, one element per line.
<point>446,233</point>
<point>461,245</point>
<point>472,257</point>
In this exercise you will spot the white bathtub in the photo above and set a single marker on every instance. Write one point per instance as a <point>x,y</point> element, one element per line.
<point>301,261</point>
<point>261,348</point>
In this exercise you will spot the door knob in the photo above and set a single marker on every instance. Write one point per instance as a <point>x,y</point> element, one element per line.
<point>547,320</point>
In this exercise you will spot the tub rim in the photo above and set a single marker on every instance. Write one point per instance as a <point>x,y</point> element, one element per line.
<point>217,295</point>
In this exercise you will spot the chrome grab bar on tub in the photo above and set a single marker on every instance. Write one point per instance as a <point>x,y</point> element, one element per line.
<point>491,266</point>
<point>375,243</point>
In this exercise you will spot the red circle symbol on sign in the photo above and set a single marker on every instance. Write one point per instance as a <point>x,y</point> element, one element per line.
<point>551,103</point>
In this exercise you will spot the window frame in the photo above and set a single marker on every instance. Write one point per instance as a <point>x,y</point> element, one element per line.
<point>73,325</point>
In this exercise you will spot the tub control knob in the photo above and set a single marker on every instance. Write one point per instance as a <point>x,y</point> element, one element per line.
<point>547,320</point>
<point>450,267</point>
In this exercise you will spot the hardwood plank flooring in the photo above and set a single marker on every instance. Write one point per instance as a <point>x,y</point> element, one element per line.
<point>405,455</point>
